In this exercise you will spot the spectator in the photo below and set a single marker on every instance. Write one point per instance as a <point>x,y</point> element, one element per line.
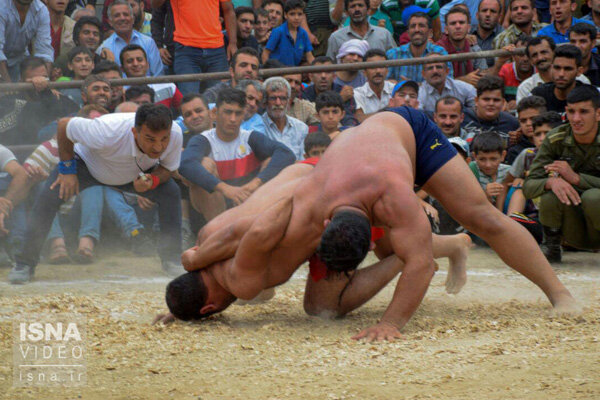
<point>121,19</point>
<point>162,27</point>
<point>107,28</point>
<point>359,28</point>
<point>527,109</point>
<point>487,114</point>
<point>562,20</point>
<point>458,23</point>
<point>278,126</point>
<point>399,9</point>
<point>61,27</point>
<point>275,9</point>
<point>81,13</point>
<point>244,65</point>
<point>319,24</point>
<point>80,62</point>
<point>514,73</point>
<point>374,95</point>
<point>20,39</point>
<point>195,116</point>
<point>521,15</point>
<point>299,108</point>
<point>86,32</point>
<point>540,51</point>
<point>254,99</point>
<point>376,17</point>
<point>419,29</point>
<point>566,66</point>
<point>405,93</point>
<point>594,15</point>
<point>352,51</point>
<point>488,152</point>
<point>199,42</point>
<point>330,111</point>
<point>111,70</point>
<point>469,5</point>
<point>246,20</point>
<point>141,19</point>
<point>95,90</point>
<point>135,65</point>
<point>488,27</point>
<point>438,84</point>
<point>448,116</point>
<point>225,165</point>
<point>140,95</point>
<point>315,144</point>
<point>565,177</point>
<point>262,29</point>
<point>583,36</point>
<point>289,42</point>
<point>325,81</point>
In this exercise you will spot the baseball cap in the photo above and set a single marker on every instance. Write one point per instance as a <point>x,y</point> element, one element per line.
<point>410,10</point>
<point>460,144</point>
<point>400,84</point>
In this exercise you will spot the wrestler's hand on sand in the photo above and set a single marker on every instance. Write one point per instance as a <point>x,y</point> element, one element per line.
<point>164,319</point>
<point>69,186</point>
<point>382,331</point>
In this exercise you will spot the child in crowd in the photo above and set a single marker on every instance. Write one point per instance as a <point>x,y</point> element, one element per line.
<point>528,108</point>
<point>488,152</point>
<point>315,144</point>
<point>330,111</point>
<point>289,42</point>
<point>80,64</point>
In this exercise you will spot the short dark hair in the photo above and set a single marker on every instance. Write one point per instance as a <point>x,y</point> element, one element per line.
<point>91,78</point>
<point>322,60</point>
<point>316,139</point>
<point>568,51</point>
<point>191,96</point>
<point>457,9</point>
<point>487,142</point>
<point>231,96</point>
<point>132,47</point>
<point>532,2</point>
<point>329,98</point>
<point>537,40</point>
<point>345,241</point>
<point>374,53</point>
<point>136,91</point>
<point>523,38</point>
<point>186,295</point>
<point>448,100</point>
<point>267,2</point>
<point>497,1</point>
<point>488,83</point>
<point>584,93</point>
<point>273,63</point>
<point>551,118</point>
<point>583,28</point>
<point>86,20</point>
<point>244,50</point>
<point>421,14</point>
<point>535,102</point>
<point>156,117</point>
<point>347,3</point>
<point>244,10</point>
<point>105,66</point>
<point>261,12</point>
<point>79,50</point>
<point>292,5</point>
<point>31,62</point>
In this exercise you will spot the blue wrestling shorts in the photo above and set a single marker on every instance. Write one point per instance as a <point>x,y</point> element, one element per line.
<point>433,148</point>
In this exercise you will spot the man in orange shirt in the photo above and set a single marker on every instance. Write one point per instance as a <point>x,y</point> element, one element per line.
<point>199,45</point>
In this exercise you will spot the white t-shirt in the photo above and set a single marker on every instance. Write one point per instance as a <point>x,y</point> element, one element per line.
<point>108,147</point>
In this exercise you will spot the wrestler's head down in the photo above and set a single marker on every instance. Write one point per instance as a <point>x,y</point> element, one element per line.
<point>190,296</point>
<point>345,241</point>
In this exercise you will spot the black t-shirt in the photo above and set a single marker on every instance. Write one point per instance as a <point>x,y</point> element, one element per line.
<point>546,90</point>
<point>504,124</point>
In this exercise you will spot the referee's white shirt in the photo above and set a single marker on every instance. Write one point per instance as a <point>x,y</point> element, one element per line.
<point>108,147</point>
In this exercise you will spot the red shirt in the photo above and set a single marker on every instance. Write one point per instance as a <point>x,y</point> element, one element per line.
<point>55,40</point>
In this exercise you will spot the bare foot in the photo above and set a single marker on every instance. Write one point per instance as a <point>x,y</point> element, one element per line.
<point>262,297</point>
<point>565,305</point>
<point>457,273</point>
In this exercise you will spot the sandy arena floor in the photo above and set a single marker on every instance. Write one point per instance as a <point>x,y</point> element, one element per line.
<point>494,340</point>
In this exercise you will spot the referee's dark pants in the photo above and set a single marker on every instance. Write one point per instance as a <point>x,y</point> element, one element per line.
<point>167,195</point>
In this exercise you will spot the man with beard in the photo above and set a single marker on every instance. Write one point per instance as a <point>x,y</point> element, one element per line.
<point>566,66</point>
<point>350,52</point>
<point>594,15</point>
<point>540,51</point>
<point>110,70</point>
<point>95,90</point>
<point>374,95</point>
<point>275,10</point>
<point>244,65</point>
<point>521,15</point>
<point>562,20</point>
<point>299,108</point>
<point>514,73</point>
<point>359,28</point>
<point>583,36</point>
<point>448,116</point>
<point>397,10</point>
<point>246,19</point>
<point>255,94</point>
<point>488,15</point>
<point>141,19</point>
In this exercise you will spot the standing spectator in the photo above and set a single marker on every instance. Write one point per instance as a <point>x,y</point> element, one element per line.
<point>359,28</point>
<point>278,126</point>
<point>319,25</point>
<point>244,65</point>
<point>61,28</point>
<point>141,19</point>
<point>398,10</point>
<point>488,27</point>
<point>583,36</point>
<point>376,17</point>
<point>594,15</point>
<point>262,29</point>
<point>121,19</point>
<point>19,39</point>
<point>246,20</point>
<point>86,32</point>
<point>374,95</point>
<point>515,72</point>
<point>562,20</point>
<point>199,42</point>
<point>448,116</point>
<point>275,8</point>
<point>162,27</point>
<point>419,29</point>
<point>521,15</point>
<point>254,99</point>
<point>350,52</point>
<point>299,108</point>
<point>527,109</point>
<point>110,70</point>
<point>470,5</point>
<point>438,84</point>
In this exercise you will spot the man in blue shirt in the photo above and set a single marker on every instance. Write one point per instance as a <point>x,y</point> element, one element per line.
<point>562,14</point>
<point>121,18</point>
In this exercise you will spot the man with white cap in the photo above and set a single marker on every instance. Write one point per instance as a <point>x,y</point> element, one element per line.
<point>352,51</point>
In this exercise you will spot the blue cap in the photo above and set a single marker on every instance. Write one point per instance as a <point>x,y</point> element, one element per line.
<point>410,10</point>
<point>400,84</point>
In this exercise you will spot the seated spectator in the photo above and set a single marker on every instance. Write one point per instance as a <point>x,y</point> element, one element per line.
<point>262,29</point>
<point>330,111</point>
<point>566,66</point>
<point>583,36</point>
<point>195,116</point>
<point>350,52</point>
<point>419,29</point>
<point>359,28</point>
<point>110,70</point>
<point>540,51</point>
<point>278,126</point>
<point>488,152</point>
<point>25,31</point>
<point>514,201</point>
<point>140,95</point>
<point>61,27</point>
<point>565,177</point>
<point>522,18</point>
<point>374,95</point>
<point>254,99</point>
<point>88,32</point>
<point>299,108</point>
<point>225,165</point>
<point>487,114</point>
<point>80,63</point>
<point>527,109</point>
<point>246,19</point>
<point>315,144</point>
<point>448,116</point>
<point>514,73</point>
<point>562,20</point>
<point>458,25</point>
<point>289,42</point>
<point>438,84</point>
<point>405,93</point>
<point>488,26</point>
<point>121,19</point>
<point>244,65</point>
<point>376,17</point>
<point>135,65</point>
<point>324,81</point>
<point>275,9</point>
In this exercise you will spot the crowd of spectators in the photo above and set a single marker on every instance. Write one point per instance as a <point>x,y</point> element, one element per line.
<point>240,132</point>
